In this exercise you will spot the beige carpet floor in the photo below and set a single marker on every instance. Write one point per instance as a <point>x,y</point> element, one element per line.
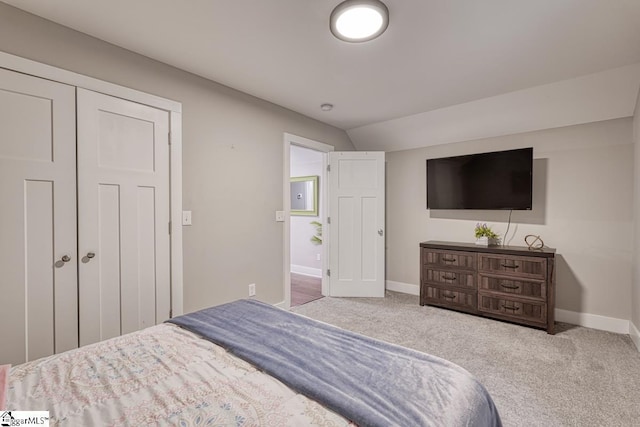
<point>578,377</point>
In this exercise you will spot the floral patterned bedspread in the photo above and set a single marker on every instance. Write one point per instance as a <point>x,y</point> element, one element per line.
<point>162,375</point>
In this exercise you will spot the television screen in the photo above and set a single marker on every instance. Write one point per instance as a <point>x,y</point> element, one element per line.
<point>498,180</point>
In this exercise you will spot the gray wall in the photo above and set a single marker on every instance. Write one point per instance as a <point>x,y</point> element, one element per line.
<point>583,203</point>
<point>635,300</point>
<point>233,157</point>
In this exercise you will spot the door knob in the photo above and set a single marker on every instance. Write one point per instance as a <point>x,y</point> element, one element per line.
<point>66,258</point>
<point>88,257</point>
<point>380,232</point>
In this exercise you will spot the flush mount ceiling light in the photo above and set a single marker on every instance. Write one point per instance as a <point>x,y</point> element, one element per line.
<point>326,107</point>
<point>359,20</point>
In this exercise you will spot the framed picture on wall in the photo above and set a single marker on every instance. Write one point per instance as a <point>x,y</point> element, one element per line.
<point>304,195</point>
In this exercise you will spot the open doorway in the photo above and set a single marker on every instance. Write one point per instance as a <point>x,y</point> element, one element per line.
<point>305,247</point>
<point>306,171</point>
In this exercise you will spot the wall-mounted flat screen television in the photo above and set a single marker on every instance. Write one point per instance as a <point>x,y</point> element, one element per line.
<point>497,180</point>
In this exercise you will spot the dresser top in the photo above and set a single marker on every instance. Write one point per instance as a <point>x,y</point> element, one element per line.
<point>507,250</point>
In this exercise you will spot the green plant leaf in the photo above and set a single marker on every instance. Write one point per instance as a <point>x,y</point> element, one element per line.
<point>317,239</point>
<point>483,230</point>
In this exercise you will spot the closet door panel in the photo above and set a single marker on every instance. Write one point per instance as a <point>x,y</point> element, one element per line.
<point>109,244</point>
<point>39,283</point>
<point>146,227</point>
<point>123,196</point>
<point>37,218</point>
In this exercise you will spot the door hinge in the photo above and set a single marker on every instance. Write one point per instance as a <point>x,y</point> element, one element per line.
<point>328,272</point>
<point>328,168</point>
<point>169,227</point>
<point>169,137</point>
<point>328,220</point>
<point>170,314</point>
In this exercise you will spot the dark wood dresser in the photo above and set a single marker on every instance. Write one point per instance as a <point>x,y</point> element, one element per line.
<point>511,283</point>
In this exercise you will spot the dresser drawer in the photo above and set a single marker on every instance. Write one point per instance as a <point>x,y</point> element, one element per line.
<point>517,309</point>
<point>524,267</point>
<point>449,277</point>
<point>454,259</point>
<point>513,286</point>
<point>458,299</point>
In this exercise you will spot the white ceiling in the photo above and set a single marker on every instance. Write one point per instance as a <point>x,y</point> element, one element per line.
<point>435,53</point>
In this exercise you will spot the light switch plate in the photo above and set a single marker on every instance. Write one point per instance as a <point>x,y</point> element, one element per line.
<point>186,217</point>
<point>279,216</point>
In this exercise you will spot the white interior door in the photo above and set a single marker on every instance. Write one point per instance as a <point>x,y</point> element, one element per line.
<point>123,211</point>
<point>38,289</point>
<point>357,220</point>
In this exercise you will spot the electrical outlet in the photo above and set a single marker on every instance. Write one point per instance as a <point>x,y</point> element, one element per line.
<point>252,290</point>
<point>317,257</point>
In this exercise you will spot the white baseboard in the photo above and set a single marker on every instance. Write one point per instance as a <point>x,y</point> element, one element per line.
<point>281,304</point>
<point>307,271</point>
<point>405,288</point>
<point>634,333</point>
<point>594,321</point>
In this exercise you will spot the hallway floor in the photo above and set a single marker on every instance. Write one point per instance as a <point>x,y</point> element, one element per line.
<point>305,289</point>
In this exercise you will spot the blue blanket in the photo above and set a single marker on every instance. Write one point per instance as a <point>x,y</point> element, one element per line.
<point>367,381</point>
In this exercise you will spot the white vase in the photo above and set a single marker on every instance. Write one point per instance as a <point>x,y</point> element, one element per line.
<point>482,241</point>
<point>487,241</point>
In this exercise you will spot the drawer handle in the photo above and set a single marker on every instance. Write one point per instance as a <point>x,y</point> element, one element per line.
<point>510,307</point>
<point>509,265</point>
<point>448,259</point>
<point>445,277</point>
<point>448,296</point>
<point>510,286</point>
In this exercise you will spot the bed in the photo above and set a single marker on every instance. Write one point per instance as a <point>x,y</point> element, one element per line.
<point>247,363</point>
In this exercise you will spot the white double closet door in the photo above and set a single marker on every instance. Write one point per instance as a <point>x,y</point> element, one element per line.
<point>123,216</point>
<point>84,217</point>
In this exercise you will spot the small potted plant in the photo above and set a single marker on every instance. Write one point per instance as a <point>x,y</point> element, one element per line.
<point>485,235</point>
<point>317,238</point>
